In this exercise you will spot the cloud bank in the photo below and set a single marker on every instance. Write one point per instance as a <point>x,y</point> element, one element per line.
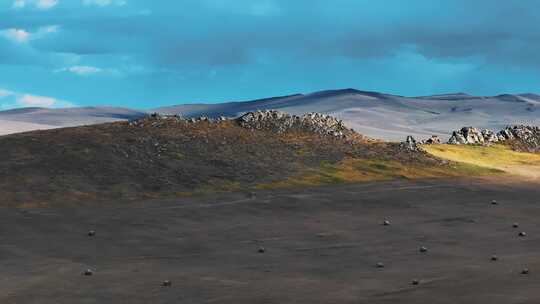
<point>10,100</point>
<point>148,53</point>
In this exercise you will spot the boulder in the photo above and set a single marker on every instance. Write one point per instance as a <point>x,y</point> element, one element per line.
<point>433,140</point>
<point>409,144</point>
<point>525,138</point>
<point>457,139</point>
<point>473,136</point>
<point>489,136</point>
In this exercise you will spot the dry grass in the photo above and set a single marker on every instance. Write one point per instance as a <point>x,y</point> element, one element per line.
<point>352,170</point>
<point>499,157</point>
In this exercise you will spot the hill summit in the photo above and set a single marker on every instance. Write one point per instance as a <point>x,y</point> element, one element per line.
<point>163,156</point>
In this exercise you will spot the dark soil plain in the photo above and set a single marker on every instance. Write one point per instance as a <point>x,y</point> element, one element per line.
<point>321,245</point>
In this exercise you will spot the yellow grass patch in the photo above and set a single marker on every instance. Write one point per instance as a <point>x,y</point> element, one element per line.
<point>354,170</point>
<point>499,157</point>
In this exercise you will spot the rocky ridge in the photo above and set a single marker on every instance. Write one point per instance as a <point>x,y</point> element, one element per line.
<point>281,122</point>
<point>474,136</point>
<point>526,137</point>
<point>271,120</point>
<point>520,137</point>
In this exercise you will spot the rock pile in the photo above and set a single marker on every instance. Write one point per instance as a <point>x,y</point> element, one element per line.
<point>473,136</point>
<point>433,140</point>
<point>526,137</point>
<point>409,144</point>
<point>272,120</point>
<point>157,120</point>
<point>522,137</point>
<point>281,122</point>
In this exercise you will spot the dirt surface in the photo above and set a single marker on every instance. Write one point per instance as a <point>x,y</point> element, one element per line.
<point>321,246</point>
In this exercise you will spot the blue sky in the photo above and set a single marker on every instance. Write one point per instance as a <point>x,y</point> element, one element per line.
<point>144,54</point>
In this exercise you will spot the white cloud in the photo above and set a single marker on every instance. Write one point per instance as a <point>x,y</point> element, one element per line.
<point>36,101</point>
<point>103,3</point>
<point>39,4</point>
<point>84,70</point>
<point>17,35</point>
<point>22,36</point>
<point>49,29</point>
<point>46,4</point>
<point>10,100</point>
<point>29,100</point>
<point>5,93</point>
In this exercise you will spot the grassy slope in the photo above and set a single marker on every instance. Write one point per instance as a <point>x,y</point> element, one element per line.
<point>354,170</point>
<point>499,157</point>
<point>118,162</point>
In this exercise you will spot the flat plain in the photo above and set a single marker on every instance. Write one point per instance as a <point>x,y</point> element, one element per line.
<point>321,245</point>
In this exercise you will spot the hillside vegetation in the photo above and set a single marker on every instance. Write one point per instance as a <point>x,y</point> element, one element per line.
<point>167,157</point>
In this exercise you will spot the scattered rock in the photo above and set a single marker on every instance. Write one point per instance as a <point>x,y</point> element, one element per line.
<point>494,258</point>
<point>88,272</point>
<point>91,233</point>
<point>523,138</point>
<point>494,202</point>
<point>409,144</point>
<point>489,136</point>
<point>155,120</point>
<point>522,234</point>
<point>415,282</point>
<point>433,140</point>
<point>261,250</point>
<point>515,225</point>
<point>166,283</point>
<point>472,136</point>
<point>505,134</point>
<point>525,271</point>
<point>379,265</point>
<point>281,122</point>
<point>423,249</point>
<point>386,223</point>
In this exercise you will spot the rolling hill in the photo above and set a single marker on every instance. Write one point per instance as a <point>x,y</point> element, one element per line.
<point>170,157</point>
<point>374,114</point>
<point>30,119</point>
<point>391,117</point>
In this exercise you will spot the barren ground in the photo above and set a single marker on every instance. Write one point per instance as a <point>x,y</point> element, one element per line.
<point>322,245</point>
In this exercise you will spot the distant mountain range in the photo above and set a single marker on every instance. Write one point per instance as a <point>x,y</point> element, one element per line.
<point>374,114</point>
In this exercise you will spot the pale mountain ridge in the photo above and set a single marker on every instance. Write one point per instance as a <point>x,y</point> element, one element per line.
<point>31,119</point>
<point>378,115</point>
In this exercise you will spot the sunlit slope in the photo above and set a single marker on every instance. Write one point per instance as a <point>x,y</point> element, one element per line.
<point>354,170</point>
<point>496,157</point>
